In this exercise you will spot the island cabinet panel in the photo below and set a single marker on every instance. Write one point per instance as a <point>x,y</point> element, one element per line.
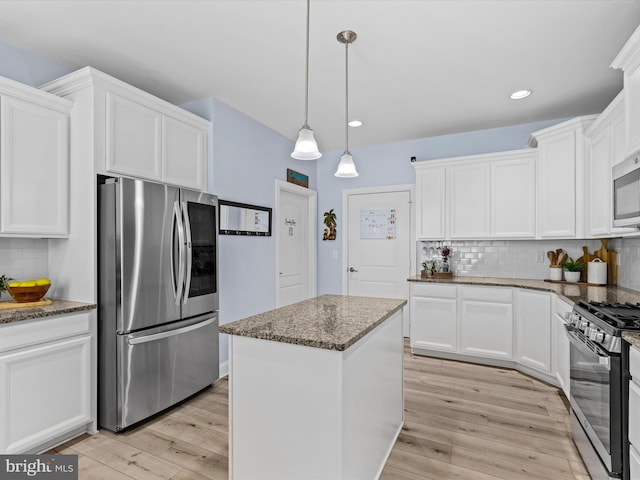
<point>34,163</point>
<point>486,322</point>
<point>303,412</point>
<point>48,393</point>
<point>533,330</point>
<point>434,317</point>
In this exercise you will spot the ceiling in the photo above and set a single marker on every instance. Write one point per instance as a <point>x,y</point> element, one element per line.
<point>419,68</point>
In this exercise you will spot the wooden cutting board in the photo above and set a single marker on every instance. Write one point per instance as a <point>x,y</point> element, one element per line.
<point>612,267</point>
<point>13,304</point>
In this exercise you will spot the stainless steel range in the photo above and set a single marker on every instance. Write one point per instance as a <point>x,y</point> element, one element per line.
<point>598,387</point>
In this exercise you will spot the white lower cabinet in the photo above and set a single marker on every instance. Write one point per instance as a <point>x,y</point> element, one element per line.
<point>562,347</point>
<point>634,413</point>
<point>47,379</point>
<point>504,326</point>
<point>486,322</point>
<point>533,329</point>
<point>434,317</point>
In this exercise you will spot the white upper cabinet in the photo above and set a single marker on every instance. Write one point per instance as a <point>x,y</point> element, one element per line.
<point>480,196</point>
<point>560,178</point>
<point>430,199</point>
<point>34,162</point>
<point>513,195</point>
<point>469,187</point>
<point>133,138</point>
<point>137,134</point>
<point>628,60</point>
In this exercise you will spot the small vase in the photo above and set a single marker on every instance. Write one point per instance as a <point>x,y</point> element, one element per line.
<point>555,273</point>
<point>424,274</point>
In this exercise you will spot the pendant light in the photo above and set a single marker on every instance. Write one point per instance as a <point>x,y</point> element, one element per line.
<point>346,167</point>
<point>306,147</point>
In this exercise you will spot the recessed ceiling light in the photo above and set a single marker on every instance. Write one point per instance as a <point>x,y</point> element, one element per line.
<point>355,123</point>
<point>520,94</point>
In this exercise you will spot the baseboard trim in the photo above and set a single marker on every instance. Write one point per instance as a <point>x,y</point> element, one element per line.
<point>224,369</point>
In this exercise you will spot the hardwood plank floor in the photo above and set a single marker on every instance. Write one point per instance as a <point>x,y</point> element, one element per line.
<point>462,421</point>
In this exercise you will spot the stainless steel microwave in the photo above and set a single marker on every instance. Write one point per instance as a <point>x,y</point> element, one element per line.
<point>626,192</point>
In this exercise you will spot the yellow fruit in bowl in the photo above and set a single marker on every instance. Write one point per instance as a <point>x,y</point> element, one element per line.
<point>15,284</point>
<point>28,283</point>
<point>43,281</point>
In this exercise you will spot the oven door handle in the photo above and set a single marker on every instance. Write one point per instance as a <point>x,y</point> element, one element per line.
<point>573,338</point>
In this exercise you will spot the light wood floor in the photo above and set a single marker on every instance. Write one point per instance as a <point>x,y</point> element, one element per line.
<point>462,421</point>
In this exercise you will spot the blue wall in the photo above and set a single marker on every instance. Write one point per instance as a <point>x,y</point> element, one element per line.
<point>27,68</point>
<point>247,157</point>
<point>389,164</point>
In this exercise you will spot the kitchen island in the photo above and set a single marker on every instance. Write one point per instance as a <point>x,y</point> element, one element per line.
<point>316,389</point>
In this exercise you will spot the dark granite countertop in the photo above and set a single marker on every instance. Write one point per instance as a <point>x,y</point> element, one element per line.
<point>569,292</point>
<point>633,338</point>
<point>58,307</point>
<point>331,322</point>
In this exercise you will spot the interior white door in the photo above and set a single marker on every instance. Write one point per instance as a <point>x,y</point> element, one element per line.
<point>294,251</point>
<point>379,245</point>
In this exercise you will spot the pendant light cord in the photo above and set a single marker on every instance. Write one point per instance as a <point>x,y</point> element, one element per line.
<point>306,74</point>
<point>346,97</point>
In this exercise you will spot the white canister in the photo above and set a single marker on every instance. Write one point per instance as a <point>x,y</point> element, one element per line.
<point>597,272</point>
<point>555,272</point>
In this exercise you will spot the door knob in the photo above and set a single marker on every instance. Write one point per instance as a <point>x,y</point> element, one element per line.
<point>351,269</point>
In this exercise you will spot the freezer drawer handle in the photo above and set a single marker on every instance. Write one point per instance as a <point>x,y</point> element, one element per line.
<point>170,333</point>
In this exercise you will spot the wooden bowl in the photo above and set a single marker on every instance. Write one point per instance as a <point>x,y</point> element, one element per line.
<point>28,294</point>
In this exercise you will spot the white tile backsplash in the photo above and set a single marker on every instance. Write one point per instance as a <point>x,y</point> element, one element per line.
<point>23,258</point>
<point>629,270</point>
<point>508,258</point>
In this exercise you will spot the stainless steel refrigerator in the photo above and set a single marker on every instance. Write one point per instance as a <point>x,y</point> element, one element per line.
<point>157,300</point>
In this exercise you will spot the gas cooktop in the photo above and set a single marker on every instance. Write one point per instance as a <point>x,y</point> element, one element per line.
<point>620,316</point>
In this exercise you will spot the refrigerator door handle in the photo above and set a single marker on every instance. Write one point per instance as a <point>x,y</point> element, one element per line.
<point>177,286</point>
<point>187,227</point>
<point>169,333</point>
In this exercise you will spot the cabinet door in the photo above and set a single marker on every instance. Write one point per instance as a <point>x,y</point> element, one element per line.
<point>133,145</point>
<point>556,181</point>
<point>562,355</point>
<point>184,154</point>
<point>470,196</point>
<point>632,106</point>
<point>46,393</point>
<point>34,176</point>
<point>599,184</point>
<point>433,323</point>
<point>430,200</point>
<point>513,197</point>
<point>486,329</point>
<point>533,329</point>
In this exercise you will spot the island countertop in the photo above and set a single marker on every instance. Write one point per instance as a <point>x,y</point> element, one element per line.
<point>570,292</point>
<point>58,307</point>
<point>331,322</point>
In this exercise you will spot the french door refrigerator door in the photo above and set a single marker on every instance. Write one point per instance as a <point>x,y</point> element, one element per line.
<point>146,215</point>
<point>162,366</point>
<point>199,213</point>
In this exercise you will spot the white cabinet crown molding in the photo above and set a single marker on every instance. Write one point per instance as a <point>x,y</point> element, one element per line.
<point>602,121</point>
<point>90,77</point>
<point>575,123</point>
<point>629,55</point>
<point>33,95</point>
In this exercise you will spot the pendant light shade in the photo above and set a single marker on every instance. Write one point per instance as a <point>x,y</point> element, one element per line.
<point>346,167</point>
<point>306,147</point>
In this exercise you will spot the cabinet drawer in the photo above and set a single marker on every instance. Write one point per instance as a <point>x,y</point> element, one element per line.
<point>40,330</point>
<point>634,363</point>
<point>434,290</point>
<point>487,294</point>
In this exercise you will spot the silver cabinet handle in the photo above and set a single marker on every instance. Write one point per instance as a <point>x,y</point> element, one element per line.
<point>189,251</point>
<point>181,248</point>
<point>351,269</point>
